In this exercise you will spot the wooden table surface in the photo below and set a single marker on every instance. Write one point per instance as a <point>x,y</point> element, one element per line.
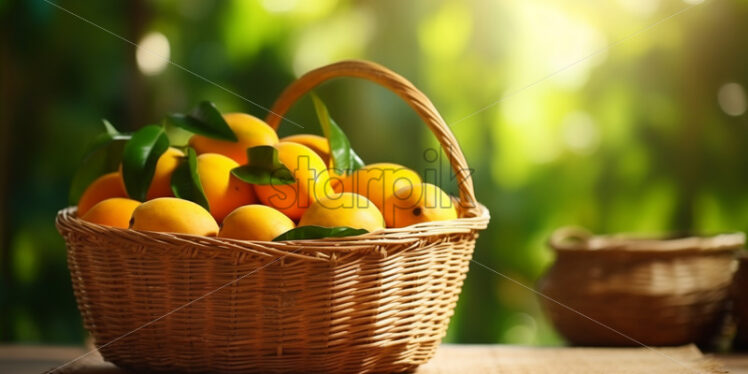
<point>463,359</point>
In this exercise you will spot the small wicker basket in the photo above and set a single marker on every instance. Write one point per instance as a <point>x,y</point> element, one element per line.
<point>626,291</point>
<point>380,302</point>
<point>739,291</point>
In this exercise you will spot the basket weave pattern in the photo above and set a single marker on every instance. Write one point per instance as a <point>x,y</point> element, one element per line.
<point>656,292</point>
<point>380,302</point>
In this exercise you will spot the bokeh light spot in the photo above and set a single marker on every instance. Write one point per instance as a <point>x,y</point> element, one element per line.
<point>152,53</point>
<point>522,331</point>
<point>580,133</point>
<point>731,98</point>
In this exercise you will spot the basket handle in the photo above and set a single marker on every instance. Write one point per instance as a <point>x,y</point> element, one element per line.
<point>408,92</point>
<point>570,237</point>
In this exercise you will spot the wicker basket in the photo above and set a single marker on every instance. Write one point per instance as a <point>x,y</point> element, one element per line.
<point>740,302</point>
<point>380,302</point>
<point>625,291</point>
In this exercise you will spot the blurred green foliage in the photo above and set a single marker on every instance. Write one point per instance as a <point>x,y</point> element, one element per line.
<point>647,135</point>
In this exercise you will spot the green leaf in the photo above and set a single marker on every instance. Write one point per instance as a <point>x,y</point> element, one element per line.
<point>205,119</point>
<point>103,155</point>
<point>104,138</point>
<point>139,159</point>
<point>109,127</point>
<point>104,158</point>
<point>101,141</point>
<point>264,168</point>
<point>318,232</point>
<point>344,159</point>
<point>185,181</point>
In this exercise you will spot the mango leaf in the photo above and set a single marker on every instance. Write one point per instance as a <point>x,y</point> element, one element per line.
<point>205,119</point>
<point>102,156</point>
<point>264,167</point>
<point>318,232</point>
<point>344,159</point>
<point>139,159</point>
<point>104,159</point>
<point>185,181</point>
<point>104,138</point>
<point>109,127</point>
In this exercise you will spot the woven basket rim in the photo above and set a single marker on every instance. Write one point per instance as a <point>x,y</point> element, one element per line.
<point>575,239</point>
<point>325,249</point>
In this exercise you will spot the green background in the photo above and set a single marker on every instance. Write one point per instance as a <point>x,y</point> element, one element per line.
<point>645,135</point>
